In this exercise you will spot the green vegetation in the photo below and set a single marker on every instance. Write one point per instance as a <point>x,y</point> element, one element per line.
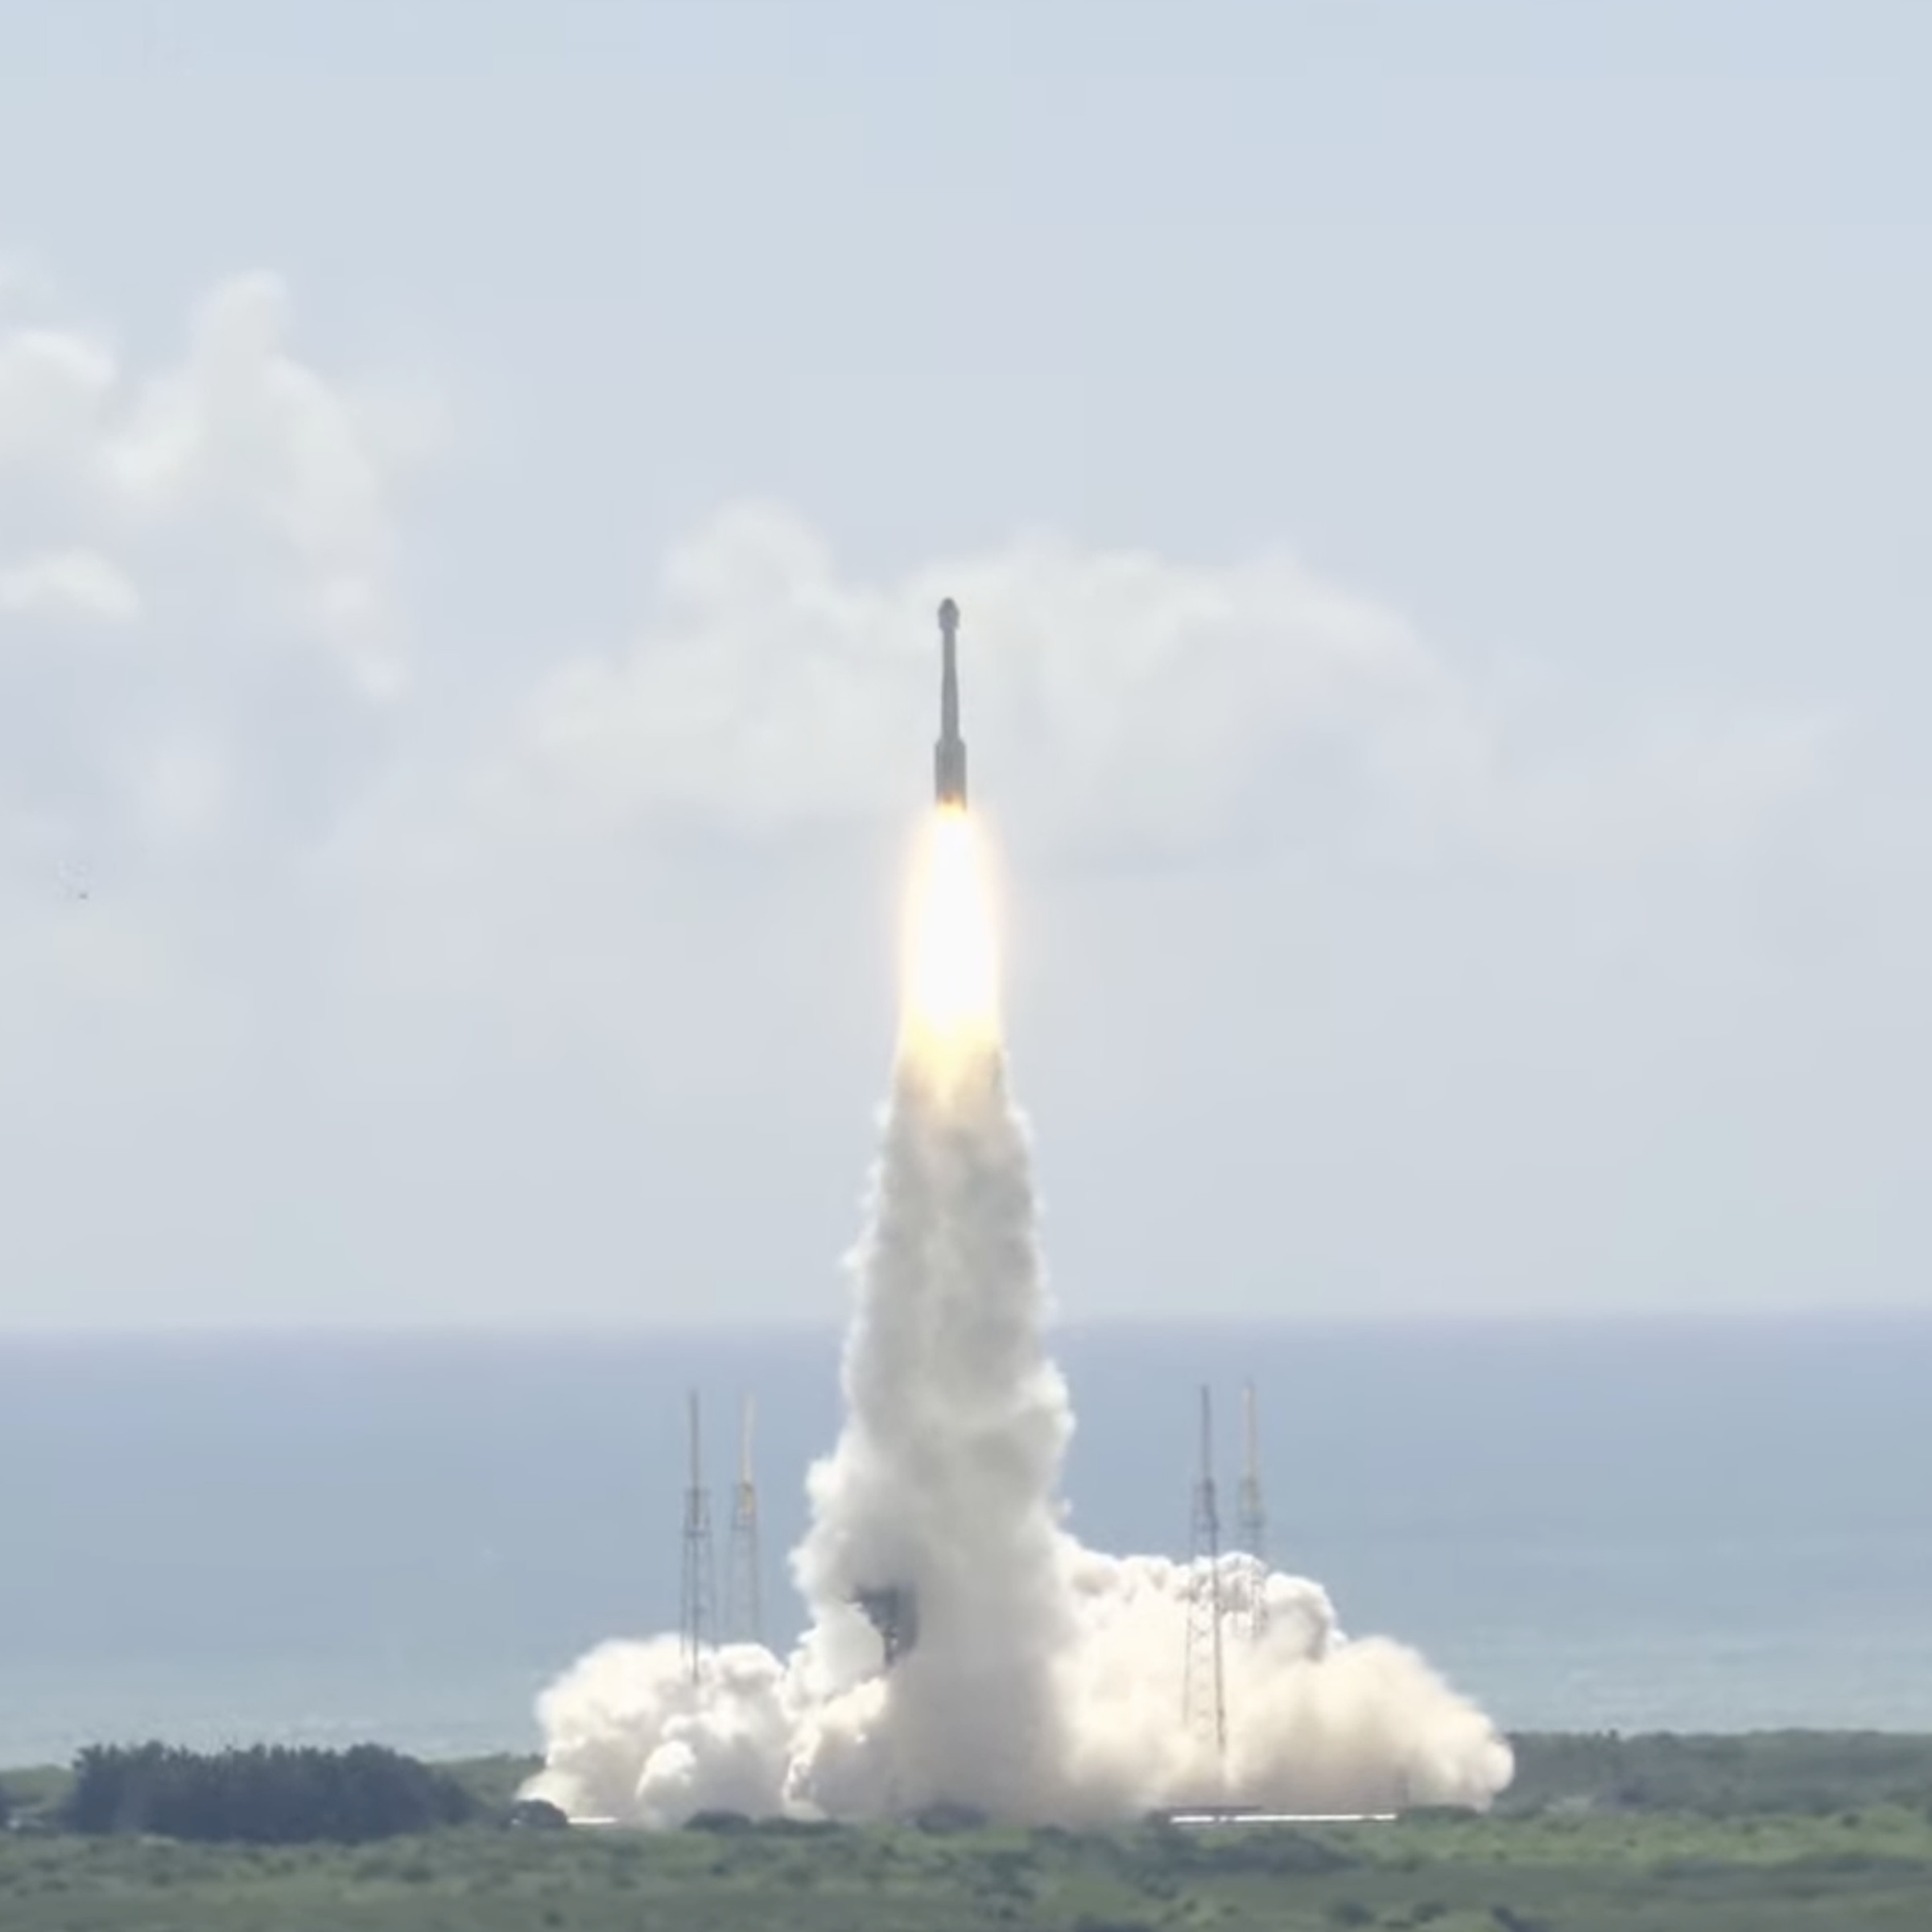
<point>1614,1874</point>
<point>269,1795</point>
<point>1805,1771</point>
<point>1604,1835</point>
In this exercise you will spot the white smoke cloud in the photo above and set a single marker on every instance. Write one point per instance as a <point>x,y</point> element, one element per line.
<point>1044,1681</point>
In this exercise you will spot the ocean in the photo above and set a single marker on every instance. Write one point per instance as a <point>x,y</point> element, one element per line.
<point>1628,1525</point>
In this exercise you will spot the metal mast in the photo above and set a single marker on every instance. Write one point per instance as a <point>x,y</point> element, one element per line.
<point>1204,1695</point>
<point>1253,1528</point>
<point>744,1615</point>
<point>697,1619</point>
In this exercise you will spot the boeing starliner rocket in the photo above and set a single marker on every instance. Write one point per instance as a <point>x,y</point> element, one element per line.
<point>949,754</point>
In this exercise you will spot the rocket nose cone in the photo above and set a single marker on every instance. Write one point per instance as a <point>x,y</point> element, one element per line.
<point>949,615</point>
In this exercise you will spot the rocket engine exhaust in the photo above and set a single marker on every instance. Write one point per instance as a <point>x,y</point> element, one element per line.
<point>963,1645</point>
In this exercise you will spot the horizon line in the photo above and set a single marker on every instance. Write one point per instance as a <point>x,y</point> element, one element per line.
<point>728,1327</point>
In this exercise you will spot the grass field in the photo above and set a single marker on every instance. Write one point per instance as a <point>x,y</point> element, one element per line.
<point>1601,1848</point>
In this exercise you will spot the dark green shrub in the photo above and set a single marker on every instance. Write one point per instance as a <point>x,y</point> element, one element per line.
<point>264,1795</point>
<point>727,1823</point>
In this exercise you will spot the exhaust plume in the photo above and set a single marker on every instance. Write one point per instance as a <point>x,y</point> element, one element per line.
<point>963,1647</point>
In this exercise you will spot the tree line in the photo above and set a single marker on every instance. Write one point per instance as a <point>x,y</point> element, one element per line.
<point>265,1794</point>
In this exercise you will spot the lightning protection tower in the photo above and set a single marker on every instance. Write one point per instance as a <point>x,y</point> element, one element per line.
<point>1204,1695</point>
<point>697,1619</point>
<point>1253,1524</point>
<point>744,1619</point>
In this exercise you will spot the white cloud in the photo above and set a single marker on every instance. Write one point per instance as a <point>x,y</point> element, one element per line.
<point>244,428</point>
<point>70,583</point>
<point>1115,699</point>
<point>253,494</point>
<point>243,443</point>
<point>55,385</point>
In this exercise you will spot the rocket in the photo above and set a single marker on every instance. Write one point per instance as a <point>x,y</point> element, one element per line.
<point>949,754</point>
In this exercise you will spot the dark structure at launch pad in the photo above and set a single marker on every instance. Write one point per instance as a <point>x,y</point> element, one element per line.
<point>894,1612</point>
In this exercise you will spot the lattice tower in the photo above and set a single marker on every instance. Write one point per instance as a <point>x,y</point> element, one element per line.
<point>697,1614</point>
<point>1204,1695</point>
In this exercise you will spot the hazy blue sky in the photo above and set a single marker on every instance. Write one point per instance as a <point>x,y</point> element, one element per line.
<point>1439,495</point>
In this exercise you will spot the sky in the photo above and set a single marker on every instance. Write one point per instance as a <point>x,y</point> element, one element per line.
<point>1433,487</point>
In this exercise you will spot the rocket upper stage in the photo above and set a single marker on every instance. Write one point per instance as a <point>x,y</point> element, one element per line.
<point>949,754</point>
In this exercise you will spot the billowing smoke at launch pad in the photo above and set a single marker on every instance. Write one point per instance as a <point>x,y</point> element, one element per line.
<point>963,1647</point>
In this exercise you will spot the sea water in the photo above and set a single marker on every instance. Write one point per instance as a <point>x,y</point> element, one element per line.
<point>1585,1525</point>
